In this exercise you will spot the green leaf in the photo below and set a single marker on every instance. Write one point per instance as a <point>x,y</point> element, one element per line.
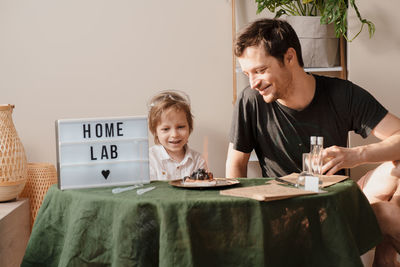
<point>331,11</point>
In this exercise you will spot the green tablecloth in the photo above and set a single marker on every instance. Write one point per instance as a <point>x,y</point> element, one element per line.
<point>187,227</point>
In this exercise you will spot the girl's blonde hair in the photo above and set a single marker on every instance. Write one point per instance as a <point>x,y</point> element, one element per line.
<point>164,101</point>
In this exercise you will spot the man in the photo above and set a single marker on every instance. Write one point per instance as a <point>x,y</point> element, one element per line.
<point>284,106</point>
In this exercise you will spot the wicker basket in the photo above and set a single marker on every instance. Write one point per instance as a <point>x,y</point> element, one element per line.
<point>40,177</point>
<point>12,157</point>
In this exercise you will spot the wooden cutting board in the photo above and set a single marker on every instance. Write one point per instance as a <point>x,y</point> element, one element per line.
<point>268,192</point>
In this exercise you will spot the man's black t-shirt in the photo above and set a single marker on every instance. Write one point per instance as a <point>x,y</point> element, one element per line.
<point>280,135</point>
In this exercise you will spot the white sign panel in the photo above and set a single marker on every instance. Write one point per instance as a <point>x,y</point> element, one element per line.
<point>102,152</point>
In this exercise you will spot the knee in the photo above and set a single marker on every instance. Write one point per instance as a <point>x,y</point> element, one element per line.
<point>395,169</point>
<point>390,167</point>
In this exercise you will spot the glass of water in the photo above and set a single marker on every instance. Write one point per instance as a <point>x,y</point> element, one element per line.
<point>306,169</point>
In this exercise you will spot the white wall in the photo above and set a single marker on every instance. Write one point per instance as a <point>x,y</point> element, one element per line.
<point>93,58</point>
<point>374,63</point>
<point>76,59</point>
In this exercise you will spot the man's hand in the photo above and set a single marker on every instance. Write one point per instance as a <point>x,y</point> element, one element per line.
<point>387,130</point>
<point>336,158</point>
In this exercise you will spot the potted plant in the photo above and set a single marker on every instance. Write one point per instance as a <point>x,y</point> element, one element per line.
<point>318,24</point>
<point>331,12</point>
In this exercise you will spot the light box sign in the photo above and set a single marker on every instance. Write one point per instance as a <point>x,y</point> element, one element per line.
<point>102,152</point>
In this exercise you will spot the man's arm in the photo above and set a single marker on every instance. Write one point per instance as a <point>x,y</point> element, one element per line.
<point>388,130</point>
<point>236,163</point>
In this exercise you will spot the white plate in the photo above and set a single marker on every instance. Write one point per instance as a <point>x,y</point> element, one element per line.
<point>218,182</point>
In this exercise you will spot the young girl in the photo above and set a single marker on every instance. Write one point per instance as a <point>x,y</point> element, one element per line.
<point>171,123</point>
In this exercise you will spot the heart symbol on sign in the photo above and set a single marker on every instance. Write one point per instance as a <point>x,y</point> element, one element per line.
<point>105,173</point>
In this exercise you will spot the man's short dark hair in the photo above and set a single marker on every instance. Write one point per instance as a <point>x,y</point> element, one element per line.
<point>276,35</point>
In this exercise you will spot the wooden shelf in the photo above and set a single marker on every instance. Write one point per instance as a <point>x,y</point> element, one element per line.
<point>15,229</point>
<point>328,69</point>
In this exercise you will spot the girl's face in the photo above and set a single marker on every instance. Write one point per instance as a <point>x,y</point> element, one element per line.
<point>173,132</point>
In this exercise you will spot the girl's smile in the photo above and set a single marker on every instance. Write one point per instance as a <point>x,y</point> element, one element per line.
<point>173,133</point>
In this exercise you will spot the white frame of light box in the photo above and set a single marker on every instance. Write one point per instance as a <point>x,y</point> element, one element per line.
<point>111,159</point>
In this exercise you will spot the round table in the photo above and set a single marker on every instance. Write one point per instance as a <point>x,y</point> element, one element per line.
<point>171,226</point>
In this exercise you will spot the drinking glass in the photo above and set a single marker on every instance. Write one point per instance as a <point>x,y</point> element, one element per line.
<point>306,169</point>
<point>307,164</point>
<point>316,164</point>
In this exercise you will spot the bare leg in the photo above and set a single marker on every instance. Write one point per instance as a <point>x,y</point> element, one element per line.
<point>388,215</point>
<point>395,202</point>
<point>379,184</point>
<point>385,255</point>
<point>382,188</point>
